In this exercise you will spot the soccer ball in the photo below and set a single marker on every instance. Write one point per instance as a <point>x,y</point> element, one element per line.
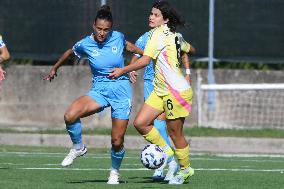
<point>152,156</point>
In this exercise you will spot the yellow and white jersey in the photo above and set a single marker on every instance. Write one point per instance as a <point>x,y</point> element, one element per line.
<point>165,47</point>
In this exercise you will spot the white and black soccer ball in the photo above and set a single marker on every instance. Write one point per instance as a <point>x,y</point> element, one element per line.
<point>152,156</point>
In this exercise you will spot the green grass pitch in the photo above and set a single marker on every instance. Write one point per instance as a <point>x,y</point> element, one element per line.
<point>39,168</point>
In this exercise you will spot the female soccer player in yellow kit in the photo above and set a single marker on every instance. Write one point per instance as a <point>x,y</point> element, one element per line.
<point>172,92</point>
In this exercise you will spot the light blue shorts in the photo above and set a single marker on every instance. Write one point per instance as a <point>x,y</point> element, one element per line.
<point>116,94</point>
<point>148,88</point>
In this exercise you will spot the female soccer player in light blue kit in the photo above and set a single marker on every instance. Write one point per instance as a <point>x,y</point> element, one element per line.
<point>104,49</point>
<point>156,20</point>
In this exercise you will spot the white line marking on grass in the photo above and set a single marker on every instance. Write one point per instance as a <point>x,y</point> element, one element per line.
<point>32,153</point>
<point>94,154</point>
<point>144,169</point>
<point>132,164</point>
<point>241,170</point>
<point>107,156</point>
<point>236,160</point>
<point>7,163</point>
<point>79,169</point>
<point>239,155</point>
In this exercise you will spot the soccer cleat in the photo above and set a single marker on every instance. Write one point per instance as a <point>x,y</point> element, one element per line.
<point>172,170</point>
<point>158,175</point>
<point>113,177</point>
<point>182,176</point>
<point>73,154</point>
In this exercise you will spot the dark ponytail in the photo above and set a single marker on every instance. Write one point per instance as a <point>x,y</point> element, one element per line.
<point>170,13</point>
<point>104,13</point>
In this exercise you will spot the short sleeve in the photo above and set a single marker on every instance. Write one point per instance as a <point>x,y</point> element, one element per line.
<point>2,44</point>
<point>140,43</point>
<point>122,37</point>
<point>185,46</point>
<point>78,49</point>
<point>151,48</point>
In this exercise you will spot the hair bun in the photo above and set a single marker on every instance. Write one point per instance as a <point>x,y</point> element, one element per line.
<point>104,13</point>
<point>105,8</point>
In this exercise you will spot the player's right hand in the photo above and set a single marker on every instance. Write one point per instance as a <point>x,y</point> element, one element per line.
<point>115,73</point>
<point>50,76</point>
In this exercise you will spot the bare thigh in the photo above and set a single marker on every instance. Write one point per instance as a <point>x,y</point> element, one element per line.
<point>81,107</point>
<point>145,117</point>
<point>162,116</point>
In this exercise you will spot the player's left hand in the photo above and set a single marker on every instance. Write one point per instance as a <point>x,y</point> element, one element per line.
<point>50,76</point>
<point>115,73</point>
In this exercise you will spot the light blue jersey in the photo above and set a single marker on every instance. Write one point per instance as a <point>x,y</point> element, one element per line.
<point>2,44</point>
<point>149,69</point>
<point>103,56</point>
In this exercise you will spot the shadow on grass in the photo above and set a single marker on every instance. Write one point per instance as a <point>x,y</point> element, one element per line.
<point>92,181</point>
<point>146,180</point>
<point>4,168</point>
<point>86,181</point>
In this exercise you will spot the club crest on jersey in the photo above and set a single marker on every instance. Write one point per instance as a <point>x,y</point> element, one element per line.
<point>95,53</point>
<point>114,49</point>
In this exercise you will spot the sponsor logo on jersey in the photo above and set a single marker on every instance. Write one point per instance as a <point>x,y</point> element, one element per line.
<point>170,114</point>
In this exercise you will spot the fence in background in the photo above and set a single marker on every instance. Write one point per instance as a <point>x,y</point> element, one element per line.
<point>245,106</point>
<point>249,30</point>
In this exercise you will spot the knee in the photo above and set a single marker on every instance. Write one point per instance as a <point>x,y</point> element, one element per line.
<point>136,124</point>
<point>69,117</point>
<point>139,124</point>
<point>117,143</point>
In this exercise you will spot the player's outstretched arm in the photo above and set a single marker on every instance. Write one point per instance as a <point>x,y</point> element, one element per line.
<point>58,64</point>
<point>140,63</point>
<point>4,54</point>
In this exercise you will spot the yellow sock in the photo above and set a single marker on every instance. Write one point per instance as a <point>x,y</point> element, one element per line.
<point>154,137</point>
<point>183,157</point>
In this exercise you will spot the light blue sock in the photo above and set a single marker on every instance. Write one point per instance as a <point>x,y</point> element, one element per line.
<point>161,126</point>
<point>75,133</point>
<point>116,158</point>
